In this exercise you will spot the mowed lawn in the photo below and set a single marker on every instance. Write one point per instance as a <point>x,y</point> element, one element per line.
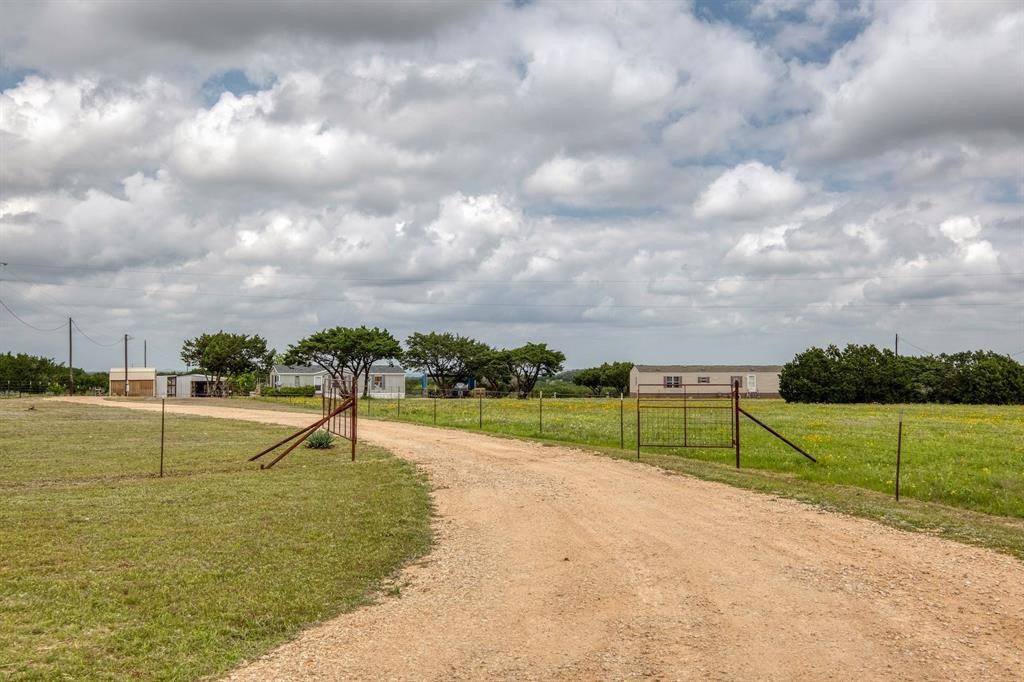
<point>107,571</point>
<point>967,456</point>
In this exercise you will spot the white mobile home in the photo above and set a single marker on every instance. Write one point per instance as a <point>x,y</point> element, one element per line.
<point>755,380</point>
<point>386,381</point>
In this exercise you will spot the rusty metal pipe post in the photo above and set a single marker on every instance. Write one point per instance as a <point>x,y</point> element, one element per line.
<point>638,425</point>
<point>481,412</point>
<point>622,424</point>
<point>736,419</point>
<point>355,414</point>
<point>163,409</point>
<point>899,450</point>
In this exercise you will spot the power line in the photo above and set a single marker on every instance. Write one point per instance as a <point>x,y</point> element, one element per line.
<point>29,324</point>
<point>422,280</point>
<point>584,306</point>
<point>103,345</point>
<point>917,347</point>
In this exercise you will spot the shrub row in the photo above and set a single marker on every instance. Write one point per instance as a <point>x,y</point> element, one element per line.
<point>289,392</point>
<point>865,374</point>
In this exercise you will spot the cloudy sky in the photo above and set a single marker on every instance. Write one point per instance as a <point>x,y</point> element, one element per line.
<point>675,182</point>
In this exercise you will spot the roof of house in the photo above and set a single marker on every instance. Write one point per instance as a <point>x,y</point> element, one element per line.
<point>316,369</point>
<point>299,369</point>
<point>708,368</point>
<point>386,369</point>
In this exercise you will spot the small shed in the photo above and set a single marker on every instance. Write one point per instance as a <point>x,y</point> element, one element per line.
<point>141,382</point>
<point>182,386</point>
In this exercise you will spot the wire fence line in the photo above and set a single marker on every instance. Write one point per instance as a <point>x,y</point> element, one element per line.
<point>607,421</point>
<point>20,389</point>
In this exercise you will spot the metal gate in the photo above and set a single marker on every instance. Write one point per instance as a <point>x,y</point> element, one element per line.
<point>687,416</point>
<point>338,407</point>
<point>340,404</point>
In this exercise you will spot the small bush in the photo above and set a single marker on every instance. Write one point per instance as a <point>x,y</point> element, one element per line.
<point>320,440</point>
<point>289,391</point>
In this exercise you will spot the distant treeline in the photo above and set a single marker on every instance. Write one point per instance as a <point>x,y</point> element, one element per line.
<point>865,374</point>
<point>25,370</point>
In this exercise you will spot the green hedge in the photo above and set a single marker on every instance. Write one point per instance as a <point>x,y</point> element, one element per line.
<point>866,374</point>
<point>289,392</point>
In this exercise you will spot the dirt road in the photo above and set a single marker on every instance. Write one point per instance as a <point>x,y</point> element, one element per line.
<point>554,564</point>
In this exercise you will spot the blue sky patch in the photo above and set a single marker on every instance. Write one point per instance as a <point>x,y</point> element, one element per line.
<point>234,81</point>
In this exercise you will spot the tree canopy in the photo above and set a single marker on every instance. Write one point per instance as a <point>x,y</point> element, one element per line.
<point>528,363</point>
<point>445,357</point>
<point>592,378</point>
<point>866,374</point>
<point>227,355</point>
<point>613,375</point>
<point>338,349</point>
<point>24,370</point>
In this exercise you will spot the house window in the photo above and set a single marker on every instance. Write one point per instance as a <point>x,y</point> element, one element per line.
<point>296,379</point>
<point>318,382</point>
<point>734,380</point>
<point>703,380</point>
<point>377,383</point>
<point>673,382</point>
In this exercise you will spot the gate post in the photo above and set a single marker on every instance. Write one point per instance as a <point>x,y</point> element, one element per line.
<point>638,424</point>
<point>736,419</point>
<point>355,413</point>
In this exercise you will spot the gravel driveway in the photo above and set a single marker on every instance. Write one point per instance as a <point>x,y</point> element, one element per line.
<point>554,564</point>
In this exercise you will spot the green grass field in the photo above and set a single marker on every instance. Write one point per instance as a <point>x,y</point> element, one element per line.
<point>967,456</point>
<point>108,572</point>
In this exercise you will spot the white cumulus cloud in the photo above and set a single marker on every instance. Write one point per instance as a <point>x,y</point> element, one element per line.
<point>749,190</point>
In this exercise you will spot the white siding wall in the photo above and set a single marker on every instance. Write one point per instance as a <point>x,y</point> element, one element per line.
<point>654,382</point>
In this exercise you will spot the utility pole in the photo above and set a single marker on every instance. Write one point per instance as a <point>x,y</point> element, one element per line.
<point>144,353</point>
<point>125,365</point>
<point>71,367</point>
<point>897,345</point>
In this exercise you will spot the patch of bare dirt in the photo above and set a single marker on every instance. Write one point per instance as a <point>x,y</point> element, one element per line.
<point>554,564</point>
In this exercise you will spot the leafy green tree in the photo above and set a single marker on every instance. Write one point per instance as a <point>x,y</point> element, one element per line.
<point>811,376</point>
<point>491,371</point>
<point>445,357</point>
<point>223,355</point>
<point>528,363</point>
<point>615,375</point>
<point>340,349</point>
<point>592,378</point>
<point>867,374</point>
<point>981,377</point>
<point>25,370</point>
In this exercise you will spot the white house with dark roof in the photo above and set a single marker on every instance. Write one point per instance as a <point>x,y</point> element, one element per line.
<point>386,380</point>
<point>755,380</point>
